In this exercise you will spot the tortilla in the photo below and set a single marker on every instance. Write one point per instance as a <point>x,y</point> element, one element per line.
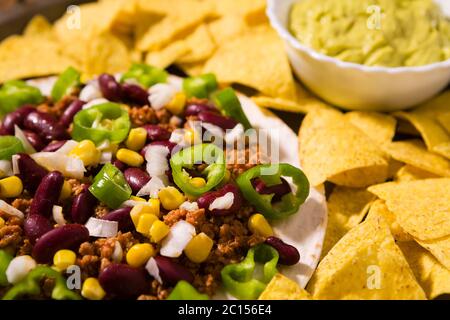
<point>379,127</point>
<point>38,25</point>
<point>226,28</point>
<point>165,57</point>
<point>201,46</point>
<point>410,173</point>
<point>365,264</point>
<point>283,288</point>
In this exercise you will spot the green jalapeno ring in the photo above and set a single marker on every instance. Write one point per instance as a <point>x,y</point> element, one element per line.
<point>5,259</point>
<point>15,93</point>
<point>200,86</point>
<point>289,203</point>
<point>228,102</point>
<point>188,157</point>
<point>65,83</point>
<point>185,291</point>
<point>9,146</point>
<point>145,75</point>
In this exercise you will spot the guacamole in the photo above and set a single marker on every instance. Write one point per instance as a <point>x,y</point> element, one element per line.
<point>391,33</point>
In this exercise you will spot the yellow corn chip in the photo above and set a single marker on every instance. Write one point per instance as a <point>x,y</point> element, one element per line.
<point>421,207</point>
<point>283,288</point>
<point>439,248</point>
<point>346,209</point>
<point>38,26</point>
<point>379,127</point>
<point>431,275</point>
<point>410,173</point>
<point>334,150</point>
<point>168,55</point>
<point>365,264</point>
<point>192,69</point>
<point>436,106</point>
<point>243,8</point>
<point>226,28</point>
<point>413,152</point>
<point>201,46</point>
<point>394,167</point>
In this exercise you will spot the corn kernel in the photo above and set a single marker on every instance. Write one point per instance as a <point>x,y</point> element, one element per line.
<point>138,199</point>
<point>154,206</point>
<point>2,222</point>
<point>259,225</point>
<point>197,182</point>
<point>189,136</point>
<point>146,208</point>
<point>139,254</point>
<point>92,289</point>
<point>136,139</point>
<point>11,187</point>
<point>198,248</point>
<point>170,198</point>
<point>64,258</point>
<point>66,191</point>
<point>158,231</point>
<point>130,157</point>
<point>87,152</point>
<point>145,223</point>
<point>176,105</point>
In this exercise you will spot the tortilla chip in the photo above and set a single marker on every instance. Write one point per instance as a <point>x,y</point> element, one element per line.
<point>413,152</point>
<point>192,69</point>
<point>347,207</point>
<point>431,275</point>
<point>365,264</point>
<point>444,120</point>
<point>393,167</point>
<point>226,28</point>
<point>421,207</point>
<point>436,106</point>
<point>283,288</point>
<point>38,26</point>
<point>201,46</point>
<point>379,209</point>
<point>168,55</point>
<point>439,248</point>
<point>264,66</point>
<point>334,150</point>
<point>410,173</point>
<point>242,8</point>
<point>379,127</point>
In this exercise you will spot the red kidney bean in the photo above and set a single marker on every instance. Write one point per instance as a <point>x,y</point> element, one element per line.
<point>31,173</point>
<point>289,255</point>
<point>122,216</point>
<point>165,143</point>
<point>206,199</point>
<point>54,146</point>
<point>217,120</point>
<point>69,236</point>
<point>45,125</point>
<point>83,206</point>
<point>69,113</point>
<point>47,194</point>
<point>122,280</point>
<point>195,108</point>
<point>34,139</point>
<point>136,178</point>
<point>36,226</point>
<point>110,88</point>
<point>278,190</point>
<point>15,118</point>
<point>135,94</point>
<point>119,165</point>
<point>155,132</point>
<point>172,272</point>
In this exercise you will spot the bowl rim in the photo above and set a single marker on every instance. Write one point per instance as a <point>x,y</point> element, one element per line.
<point>287,36</point>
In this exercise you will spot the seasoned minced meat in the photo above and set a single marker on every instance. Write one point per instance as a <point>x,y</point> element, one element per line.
<point>140,116</point>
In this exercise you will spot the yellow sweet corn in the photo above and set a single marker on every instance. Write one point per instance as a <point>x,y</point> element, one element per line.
<point>136,139</point>
<point>158,231</point>
<point>87,152</point>
<point>176,105</point>
<point>2,222</point>
<point>145,223</point>
<point>146,208</point>
<point>198,248</point>
<point>130,157</point>
<point>138,199</point>
<point>11,187</point>
<point>138,254</point>
<point>189,136</point>
<point>197,182</point>
<point>259,225</point>
<point>170,198</point>
<point>154,206</point>
<point>66,191</point>
<point>64,258</point>
<point>92,290</point>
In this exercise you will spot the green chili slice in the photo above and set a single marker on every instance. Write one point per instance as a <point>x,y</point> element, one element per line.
<point>15,93</point>
<point>229,104</point>
<point>145,75</point>
<point>5,259</point>
<point>200,87</point>
<point>185,291</point>
<point>65,83</point>
<point>9,146</point>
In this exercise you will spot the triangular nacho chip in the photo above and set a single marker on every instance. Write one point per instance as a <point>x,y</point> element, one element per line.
<point>283,288</point>
<point>379,127</point>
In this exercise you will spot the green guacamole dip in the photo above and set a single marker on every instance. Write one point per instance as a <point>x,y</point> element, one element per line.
<point>391,33</point>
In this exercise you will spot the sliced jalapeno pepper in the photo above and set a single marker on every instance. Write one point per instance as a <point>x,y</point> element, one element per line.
<point>15,93</point>
<point>229,104</point>
<point>185,291</point>
<point>65,83</point>
<point>145,75</point>
<point>9,146</point>
<point>5,259</point>
<point>201,86</point>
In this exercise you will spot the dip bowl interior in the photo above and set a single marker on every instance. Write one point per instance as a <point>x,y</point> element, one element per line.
<point>354,86</point>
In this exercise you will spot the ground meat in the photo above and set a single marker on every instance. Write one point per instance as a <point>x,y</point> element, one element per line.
<point>174,216</point>
<point>157,292</point>
<point>58,108</point>
<point>47,285</point>
<point>101,210</point>
<point>239,161</point>
<point>140,116</point>
<point>10,235</point>
<point>76,186</point>
<point>22,204</point>
<point>163,116</point>
<point>25,248</point>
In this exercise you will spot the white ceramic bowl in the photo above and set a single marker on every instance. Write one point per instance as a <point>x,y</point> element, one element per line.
<point>354,86</point>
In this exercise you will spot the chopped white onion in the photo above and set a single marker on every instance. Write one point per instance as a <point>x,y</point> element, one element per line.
<point>105,157</point>
<point>58,216</point>
<point>222,203</point>
<point>132,203</point>
<point>94,103</point>
<point>6,169</point>
<point>104,145</point>
<point>177,136</point>
<point>15,164</point>
<point>68,166</point>
<point>19,267</point>
<point>117,254</point>
<point>67,147</point>
<point>118,76</point>
<point>175,82</point>
<point>214,130</point>
<point>152,187</point>
<point>153,270</point>
<point>160,95</point>
<point>234,134</point>
<point>9,209</point>
<point>156,157</point>
<point>91,91</point>
<point>102,228</point>
<point>189,206</point>
<point>178,238</point>
<point>21,136</point>
<point>45,85</point>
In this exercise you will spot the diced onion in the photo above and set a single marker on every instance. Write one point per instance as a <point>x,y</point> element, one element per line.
<point>104,145</point>
<point>91,91</point>
<point>160,95</point>
<point>152,187</point>
<point>67,147</point>
<point>234,134</point>
<point>105,157</point>
<point>19,267</point>
<point>15,164</point>
<point>68,166</point>
<point>189,206</point>
<point>153,270</point>
<point>178,238</point>
<point>222,203</point>
<point>117,254</point>
<point>21,136</point>
<point>175,82</point>
<point>94,103</point>
<point>9,209</point>
<point>132,203</point>
<point>58,216</point>
<point>6,169</point>
<point>45,85</point>
<point>156,157</point>
<point>177,136</point>
<point>102,228</point>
